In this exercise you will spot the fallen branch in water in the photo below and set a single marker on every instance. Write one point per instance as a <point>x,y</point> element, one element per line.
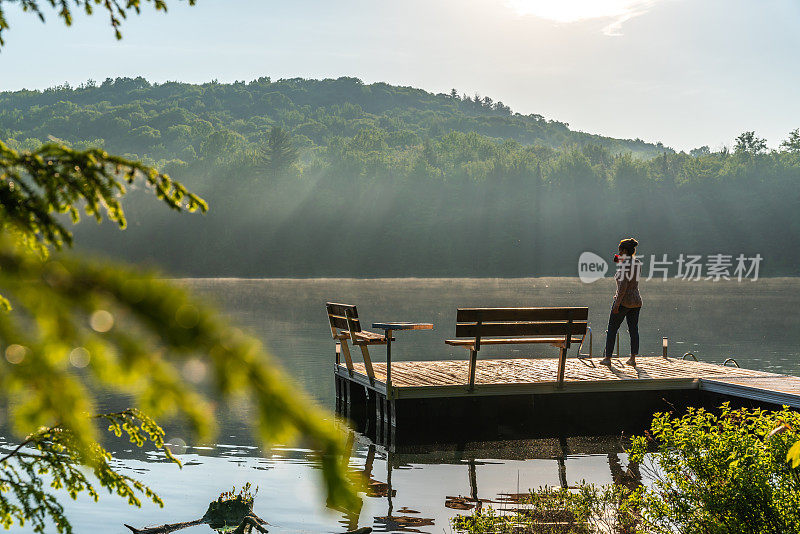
<point>228,510</point>
<point>166,529</point>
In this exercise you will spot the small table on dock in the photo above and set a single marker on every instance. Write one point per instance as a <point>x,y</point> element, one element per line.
<point>388,328</point>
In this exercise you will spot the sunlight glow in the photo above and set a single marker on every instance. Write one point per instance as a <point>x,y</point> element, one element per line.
<point>566,11</point>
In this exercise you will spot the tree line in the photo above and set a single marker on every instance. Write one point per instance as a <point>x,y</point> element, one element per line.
<point>183,122</point>
<point>398,182</point>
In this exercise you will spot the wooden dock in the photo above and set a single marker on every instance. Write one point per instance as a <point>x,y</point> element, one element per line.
<point>439,389</point>
<point>511,376</point>
<point>544,394</point>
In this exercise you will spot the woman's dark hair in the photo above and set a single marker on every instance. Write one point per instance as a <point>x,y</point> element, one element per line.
<point>628,246</point>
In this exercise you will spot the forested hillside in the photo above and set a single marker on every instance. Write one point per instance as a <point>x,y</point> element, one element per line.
<point>338,178</point>
<point>178,121</point>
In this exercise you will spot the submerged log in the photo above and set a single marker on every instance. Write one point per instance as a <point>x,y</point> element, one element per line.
<point>224,512</point>
<point>165,529</point>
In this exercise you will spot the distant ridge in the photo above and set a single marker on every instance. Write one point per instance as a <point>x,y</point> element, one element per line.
<point>174,120</point>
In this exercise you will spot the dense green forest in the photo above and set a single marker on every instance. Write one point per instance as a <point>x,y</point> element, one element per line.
<point>339,178</point>
<point>178,121</point>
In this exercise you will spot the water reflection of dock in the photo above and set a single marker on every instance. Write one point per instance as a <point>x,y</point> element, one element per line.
<point>394,518</point>
<point>432,397</point>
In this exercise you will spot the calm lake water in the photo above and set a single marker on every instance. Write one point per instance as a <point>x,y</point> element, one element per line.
<point>755,322</point>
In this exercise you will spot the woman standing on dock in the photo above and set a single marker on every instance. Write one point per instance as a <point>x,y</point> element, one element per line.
<point>627,301</point>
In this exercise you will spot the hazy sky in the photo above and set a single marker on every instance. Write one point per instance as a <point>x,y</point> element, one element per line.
<point>685,72</point>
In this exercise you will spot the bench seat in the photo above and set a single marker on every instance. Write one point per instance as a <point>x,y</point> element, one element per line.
<point>511,341</point>
<point>559,327</point>
<point>370,338</point>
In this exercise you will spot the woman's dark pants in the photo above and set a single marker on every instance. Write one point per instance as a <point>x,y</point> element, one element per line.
<point>615,321</point>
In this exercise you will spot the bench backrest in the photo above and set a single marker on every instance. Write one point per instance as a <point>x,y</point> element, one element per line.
<point>343,317</point>
<point>521,322</point>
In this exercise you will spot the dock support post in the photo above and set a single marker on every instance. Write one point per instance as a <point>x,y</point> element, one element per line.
<point>390,428</point>
<point>378,417</point>
<point>392,413</point>
<point>338,386</point>
<point>347,397</point>
<point>369,400</point>
<point>386,416</point>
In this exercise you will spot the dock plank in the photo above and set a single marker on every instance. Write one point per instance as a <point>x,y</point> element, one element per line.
<point>439,373</point>
<point>776,389</point>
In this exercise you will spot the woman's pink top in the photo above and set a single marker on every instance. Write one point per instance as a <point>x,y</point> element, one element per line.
<point>627,278</point>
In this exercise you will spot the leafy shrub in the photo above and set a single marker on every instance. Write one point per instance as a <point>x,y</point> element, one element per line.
<point>731,471</point>
<point>587,509</point>
<point>725,472</point>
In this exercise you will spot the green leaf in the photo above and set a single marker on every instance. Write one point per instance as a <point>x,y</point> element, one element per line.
<point>793,455</point>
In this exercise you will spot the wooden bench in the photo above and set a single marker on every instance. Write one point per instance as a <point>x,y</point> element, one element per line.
<point>560,327</point>
<point>345,326</point>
